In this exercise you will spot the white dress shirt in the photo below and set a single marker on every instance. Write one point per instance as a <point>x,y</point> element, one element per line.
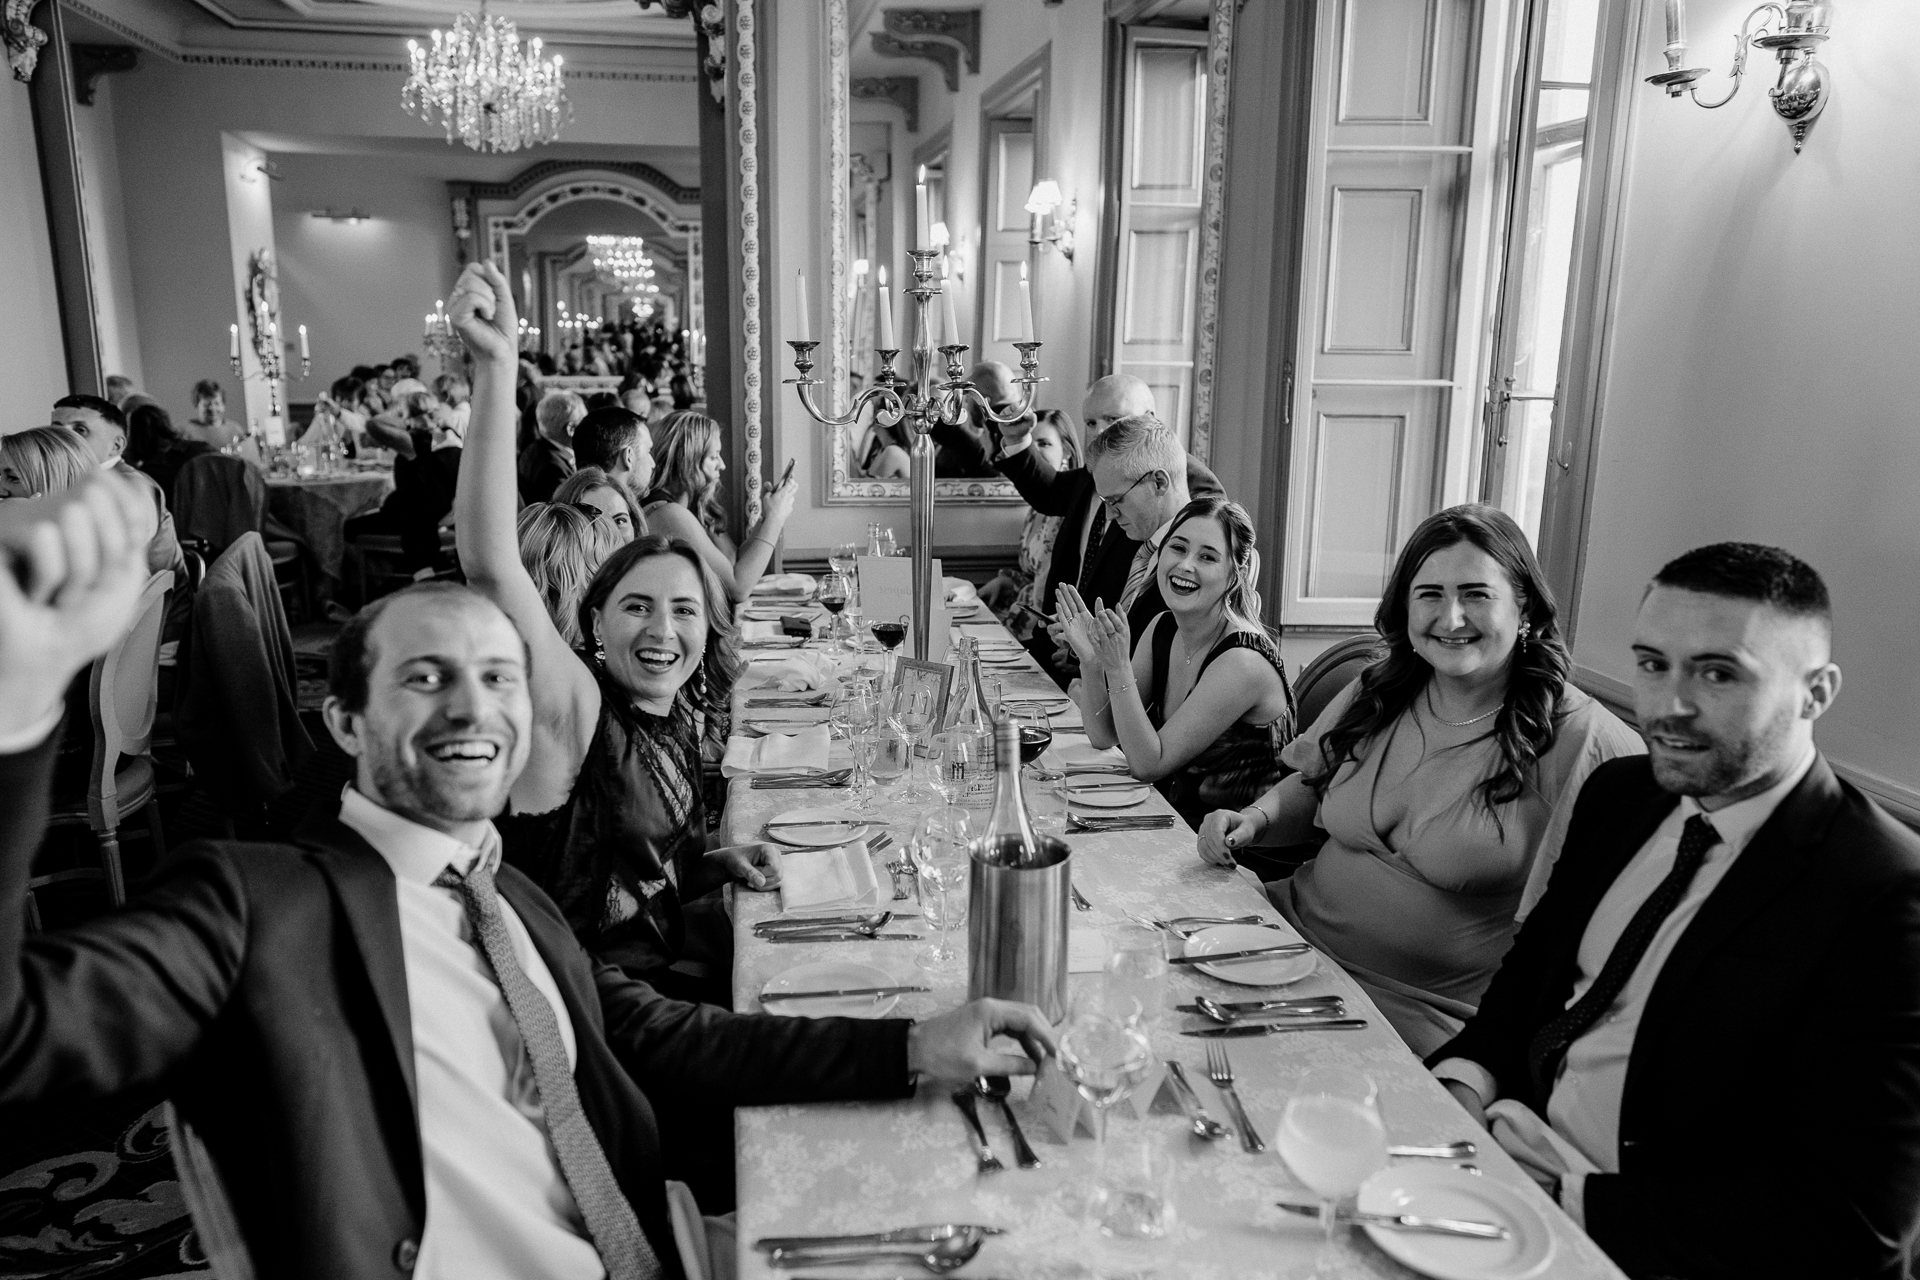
<point>498,1207</point>
<point>1584,1107</point>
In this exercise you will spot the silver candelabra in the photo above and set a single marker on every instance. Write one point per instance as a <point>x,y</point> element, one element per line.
<point>923,403</point>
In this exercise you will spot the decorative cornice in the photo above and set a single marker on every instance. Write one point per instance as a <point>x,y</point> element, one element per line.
<point>944,37</point>
<point>23,40</point>
<point>290,62</point>
<point>91,61</point>
<point>672,8</point>
<point>901,91</point>
<point>535,174</point>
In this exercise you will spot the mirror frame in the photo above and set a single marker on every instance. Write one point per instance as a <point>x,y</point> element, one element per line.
<point>843,488</point>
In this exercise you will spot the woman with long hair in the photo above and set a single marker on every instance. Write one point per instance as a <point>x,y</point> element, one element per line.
<point>687,465</point>
<point>155,447</point>
<point>608,816</point>
<point>595,492</point>
<point>42,460</point>
<point>562,547</point>
<point>1443,777</point>
<point>1012,593</point>
<point>1201,705</point>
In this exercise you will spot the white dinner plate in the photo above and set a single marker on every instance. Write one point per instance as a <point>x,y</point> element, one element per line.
<point>825,836</point>
<point>1097,791</point>
<point>1442,1191</point>
<point>832,975</point>
<point>1080,755</point>
<point>1251,973</point>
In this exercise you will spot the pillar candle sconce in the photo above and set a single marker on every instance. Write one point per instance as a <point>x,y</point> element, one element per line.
<point>1792,31</point>
<point>1051,224</point>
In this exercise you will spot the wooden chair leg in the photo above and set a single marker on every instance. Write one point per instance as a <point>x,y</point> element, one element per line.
<point>109,843</point>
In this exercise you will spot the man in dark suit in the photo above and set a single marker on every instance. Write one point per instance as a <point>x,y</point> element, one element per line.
<point>379,1019</point>
<point>1716,1005</point>
<point>1090,552</point>
<point>548,460</point>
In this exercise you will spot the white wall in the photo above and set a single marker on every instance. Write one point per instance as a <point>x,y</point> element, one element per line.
<point>1763,372</point>
<point>33,371</point>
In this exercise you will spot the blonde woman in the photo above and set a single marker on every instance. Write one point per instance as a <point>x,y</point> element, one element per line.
<point>561,547</point>
<point>42,460</point>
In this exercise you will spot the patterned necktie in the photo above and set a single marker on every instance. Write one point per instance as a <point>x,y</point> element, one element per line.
<point>611,1224</point>
<point>1137,575</point>
<point>1550,1044</point>
<point>1096,530</point>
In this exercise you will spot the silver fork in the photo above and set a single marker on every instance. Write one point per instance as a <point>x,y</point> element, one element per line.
<point>1220,1071</point>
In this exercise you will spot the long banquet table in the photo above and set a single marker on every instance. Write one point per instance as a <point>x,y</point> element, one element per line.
<point>868,1166</point>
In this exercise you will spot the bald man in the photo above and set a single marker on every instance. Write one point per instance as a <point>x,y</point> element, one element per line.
<point>1090,551</point>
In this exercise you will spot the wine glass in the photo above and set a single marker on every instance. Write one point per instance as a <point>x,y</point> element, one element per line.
<point>1332,1138</point>
<point>942,852</point>
<point>833,598</point>
<point>892,635</point>
<point>892,753</point>
<point>912,711</point>
<point>955,754</point>
<point>863,743</point>
<point>1137,965</point>
<point>842,558</point>
<point>1106,1056</point>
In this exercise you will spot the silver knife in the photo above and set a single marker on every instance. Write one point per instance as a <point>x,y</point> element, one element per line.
<point>1255,953</point>
<point>900,1235</point>
<point>1240,1029</point>
<point>1408,1222</point>
<point>875,992</point>
<point>792,936</point>
<point>820,822</point>
<point>1307,1004</point>
<point>824,922</point>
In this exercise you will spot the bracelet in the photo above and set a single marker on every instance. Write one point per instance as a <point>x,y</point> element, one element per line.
<point>759,537</point>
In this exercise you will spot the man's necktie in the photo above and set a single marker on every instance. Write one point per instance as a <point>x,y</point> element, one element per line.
<point>615,1231</point>
<point>1551,1042</point>
<point>1096,530</point>
<point>1138,574</point>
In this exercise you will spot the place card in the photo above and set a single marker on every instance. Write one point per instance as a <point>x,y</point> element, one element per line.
<point>886,591</point>
<point>1059,1104</point>
<point>1140,1101</point>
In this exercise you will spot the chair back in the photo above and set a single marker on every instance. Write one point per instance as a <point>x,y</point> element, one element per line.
<point>1333,670</point>
<point>216,498</point>
<point>123,693</point>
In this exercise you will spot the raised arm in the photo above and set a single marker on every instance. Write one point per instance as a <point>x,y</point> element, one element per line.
<point>1050,492</point>
<point>737,573</point>
<point>566,701</point>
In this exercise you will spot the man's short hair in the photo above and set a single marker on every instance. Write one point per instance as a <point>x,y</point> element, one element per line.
<point>602,434</point>
<point>107,409</point>
<point>1138,445</point>
<point>350,660</point>
<point>1751,571</point>
<point>559,411</point>
<point>206,389</point>
<point>118,382</point>
<point>407,366</point>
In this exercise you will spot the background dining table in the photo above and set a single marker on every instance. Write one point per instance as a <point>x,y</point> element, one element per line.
<point>856,1167</point>
<point>318,507</point>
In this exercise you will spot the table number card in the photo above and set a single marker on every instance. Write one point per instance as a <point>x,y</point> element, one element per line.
<point>1140,1101</point>
<point>1059,1104</point>
<point>886,591</point>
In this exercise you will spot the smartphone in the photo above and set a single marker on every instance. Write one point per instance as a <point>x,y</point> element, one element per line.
<point>785,475</point>
<point>1047,618</point>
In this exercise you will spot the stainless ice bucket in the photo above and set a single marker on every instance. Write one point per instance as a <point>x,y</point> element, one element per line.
<point>1017,928</point>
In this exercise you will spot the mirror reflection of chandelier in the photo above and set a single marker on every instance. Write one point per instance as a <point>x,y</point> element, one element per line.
<point>487,89</point>
<point>623,260</point>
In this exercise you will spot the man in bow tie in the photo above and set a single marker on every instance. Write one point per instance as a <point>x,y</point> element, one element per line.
<point>1706,1038</point>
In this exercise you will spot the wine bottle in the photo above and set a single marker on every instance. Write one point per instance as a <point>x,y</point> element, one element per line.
<point>1009,840</point>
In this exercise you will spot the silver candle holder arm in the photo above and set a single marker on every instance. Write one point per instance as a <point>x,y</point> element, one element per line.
<point>923,402</point>
<point>1801,92</point>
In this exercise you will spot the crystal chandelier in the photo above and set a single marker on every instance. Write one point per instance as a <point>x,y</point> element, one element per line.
<point>623,259</point>
<point>484,87</point>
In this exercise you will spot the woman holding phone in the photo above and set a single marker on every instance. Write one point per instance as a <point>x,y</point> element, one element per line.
<point>683,502</point>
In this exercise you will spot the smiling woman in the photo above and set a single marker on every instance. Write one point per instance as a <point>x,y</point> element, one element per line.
<point>608,816</point>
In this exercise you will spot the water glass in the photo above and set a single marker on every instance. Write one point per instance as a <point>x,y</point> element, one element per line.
<point>1046,795</point>
<point>942,853</point>
<point>864,744</point>
<point>892,755</point>
<point>956,754</point>
<point>1106,1057</point>
<point>1137,1192</point>
<point>912,711</point>
<point>1332,1138</point>
<point>1137,964</point>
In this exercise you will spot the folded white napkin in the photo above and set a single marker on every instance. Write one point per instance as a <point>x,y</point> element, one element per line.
<point>1052,759</point>
<point>1533,1144</point>
<point>837,879</point>
<point>792,671</point>
<point>777,752</point>
<point>784,584</point>
<point>959,591</point>
<point>753,629</point>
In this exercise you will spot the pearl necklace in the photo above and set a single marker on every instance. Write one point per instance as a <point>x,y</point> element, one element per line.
<point>1458,724</point>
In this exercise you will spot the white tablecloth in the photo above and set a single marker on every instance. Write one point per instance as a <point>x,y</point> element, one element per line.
<point>868,1166</point>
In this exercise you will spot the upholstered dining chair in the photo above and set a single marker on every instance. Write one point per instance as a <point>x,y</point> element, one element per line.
<point>123,690</point>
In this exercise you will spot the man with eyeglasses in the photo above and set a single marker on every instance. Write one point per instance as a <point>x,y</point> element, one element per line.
<point>1140,478</point>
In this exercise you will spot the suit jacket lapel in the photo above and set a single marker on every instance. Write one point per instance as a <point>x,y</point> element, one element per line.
<point>1771,860</point>
<point>365,886</point>
<point>1642,816</point>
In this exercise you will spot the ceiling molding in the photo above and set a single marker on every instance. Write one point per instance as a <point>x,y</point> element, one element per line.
<point>944,37</point>
<point>900,91</point>
<point>535,174</point>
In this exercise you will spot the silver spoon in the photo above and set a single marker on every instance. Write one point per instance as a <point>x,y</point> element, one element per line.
<point>864,930</point>
<point>1448,1151</point>
<point>940,1257</point>
<point>876,920</point>
<point>996,1088</point>
<point>1314,1006</point>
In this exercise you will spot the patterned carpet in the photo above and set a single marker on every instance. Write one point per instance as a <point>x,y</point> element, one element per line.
<point>95,1198</point>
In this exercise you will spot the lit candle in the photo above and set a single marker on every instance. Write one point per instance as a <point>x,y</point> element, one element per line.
<point>922,225</point>
<point>305,354</point>
<point>233,342</point>
<point>886,314</point>
<point>946,294</point>
<point>800,296</point>
<point>1026,306</point>
<point>1676,22</point>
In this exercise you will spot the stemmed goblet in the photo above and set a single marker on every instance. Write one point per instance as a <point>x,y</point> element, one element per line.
<point>1332,1138</point>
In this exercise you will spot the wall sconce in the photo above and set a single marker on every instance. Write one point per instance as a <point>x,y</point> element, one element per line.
<point>254,166</point>
<point>857,279</point>
<point>1045,206</point>
<point>352,217</point>
<point>1802,89</point>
